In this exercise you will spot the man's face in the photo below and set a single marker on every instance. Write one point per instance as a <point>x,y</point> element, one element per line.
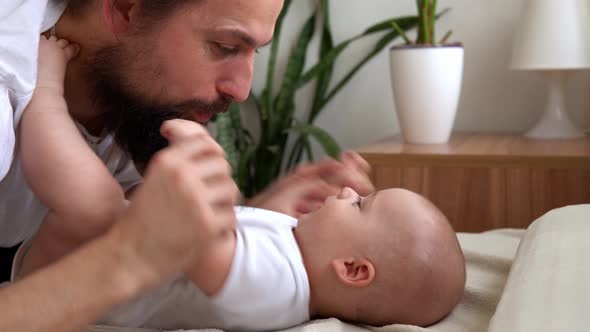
<point>192,64</point>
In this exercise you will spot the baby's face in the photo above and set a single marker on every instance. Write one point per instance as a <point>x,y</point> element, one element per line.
<point>348,221</point>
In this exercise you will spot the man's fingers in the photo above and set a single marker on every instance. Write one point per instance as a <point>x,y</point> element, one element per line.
<point>353,159</point>
<point>338,174</point>
<point>223,193</point>
<point>211,167</point>
<point>318,189</point>
<point>307,206</point>
<point>322,168</point>
<point>224,221</point>
<point>354,179</point>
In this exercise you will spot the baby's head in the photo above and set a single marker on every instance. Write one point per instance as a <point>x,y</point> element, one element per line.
<point>390,257</point>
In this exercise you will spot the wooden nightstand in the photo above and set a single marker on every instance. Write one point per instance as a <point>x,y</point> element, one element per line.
<point>483,182</point>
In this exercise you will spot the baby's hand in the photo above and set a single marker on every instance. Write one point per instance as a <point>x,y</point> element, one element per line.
<point>54,55</point>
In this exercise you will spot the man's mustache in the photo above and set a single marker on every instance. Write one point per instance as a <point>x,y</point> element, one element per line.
<point>185,108</point>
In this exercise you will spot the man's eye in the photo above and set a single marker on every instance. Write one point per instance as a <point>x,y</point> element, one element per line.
<point>226,49</point>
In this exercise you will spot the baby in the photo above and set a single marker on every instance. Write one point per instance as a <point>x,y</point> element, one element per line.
<point>390,257</point>
<point>63,171</point>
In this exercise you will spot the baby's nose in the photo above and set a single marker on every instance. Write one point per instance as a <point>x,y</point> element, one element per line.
<point>347,192</point>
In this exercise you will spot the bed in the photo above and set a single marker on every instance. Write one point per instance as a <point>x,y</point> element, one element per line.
<point>517,280</point>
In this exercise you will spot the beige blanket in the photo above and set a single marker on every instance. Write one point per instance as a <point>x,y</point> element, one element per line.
<point>536,298</point>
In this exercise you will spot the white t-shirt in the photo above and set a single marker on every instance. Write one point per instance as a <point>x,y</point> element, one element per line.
<point>21,22</point>
<point>267,287</point>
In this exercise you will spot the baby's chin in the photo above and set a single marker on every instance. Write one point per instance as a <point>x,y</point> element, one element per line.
<point>302,219</point>
<point>308,215</point>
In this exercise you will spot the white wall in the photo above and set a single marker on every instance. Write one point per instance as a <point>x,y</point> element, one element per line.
<point>494,98</point>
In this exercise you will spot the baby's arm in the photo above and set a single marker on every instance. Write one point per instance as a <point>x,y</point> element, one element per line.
<point>59,166</point>
<point>214,267</point>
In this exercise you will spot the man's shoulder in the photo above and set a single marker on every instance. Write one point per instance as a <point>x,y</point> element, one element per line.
<point>10,7</point>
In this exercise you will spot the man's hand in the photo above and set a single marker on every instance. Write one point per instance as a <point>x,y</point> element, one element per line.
<point>184,206</point>
<point>305,189</point>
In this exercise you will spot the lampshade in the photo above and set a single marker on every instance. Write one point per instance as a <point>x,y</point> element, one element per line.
<point>553,34</point>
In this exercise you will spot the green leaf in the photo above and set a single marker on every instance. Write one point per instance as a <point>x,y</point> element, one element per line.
<point>420,33</point>
<point>255,100</point>
<point>326,62</point>
<point>431,20</point>
<point>284,103</point>
<point>308,149</point>
<point>446,37</point>
<point>264,119</point>
<point>295,155</point>
<point>424,25</point>
<point>402,33</point>
<point>270,74</point>
<point>226,137</point>
<point>243,177</point>
<point>321,136</point>
<point>379,46</point>
<point>325,77</point>
<point>402,21</point>
<point>241,135</point>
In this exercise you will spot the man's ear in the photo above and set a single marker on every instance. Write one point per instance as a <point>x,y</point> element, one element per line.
<point>354,272</point>
<point>118,14</point>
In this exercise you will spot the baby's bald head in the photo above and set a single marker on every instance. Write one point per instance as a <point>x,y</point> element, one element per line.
<point>420,269</point>
<point>390,258</point>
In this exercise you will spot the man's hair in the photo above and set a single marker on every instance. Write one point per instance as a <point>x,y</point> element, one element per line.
<point>151,9</point>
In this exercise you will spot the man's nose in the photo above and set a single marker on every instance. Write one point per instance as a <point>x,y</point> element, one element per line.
<point>347,192</point>
<point>238,80</point>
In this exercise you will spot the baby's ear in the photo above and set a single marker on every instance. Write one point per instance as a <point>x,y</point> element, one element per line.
<point>354,272</point>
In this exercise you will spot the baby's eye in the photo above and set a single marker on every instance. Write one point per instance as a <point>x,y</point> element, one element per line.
<point>357,202</point>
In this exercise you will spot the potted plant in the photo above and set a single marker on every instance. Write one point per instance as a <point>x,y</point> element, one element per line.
<point>426,78</point>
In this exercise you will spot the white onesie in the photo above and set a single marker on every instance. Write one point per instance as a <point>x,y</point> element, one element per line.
<point>267,287</point>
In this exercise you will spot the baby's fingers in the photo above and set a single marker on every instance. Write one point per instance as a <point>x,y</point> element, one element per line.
<point>71,50</point>
<point>63,43</point>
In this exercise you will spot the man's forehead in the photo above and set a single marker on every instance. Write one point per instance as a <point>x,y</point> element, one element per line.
<point>254,16</point>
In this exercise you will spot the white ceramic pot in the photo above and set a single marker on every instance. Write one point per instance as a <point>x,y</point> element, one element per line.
<point>426,85</point>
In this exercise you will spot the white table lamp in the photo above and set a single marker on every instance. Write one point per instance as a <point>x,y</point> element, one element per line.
<point>553,37</point>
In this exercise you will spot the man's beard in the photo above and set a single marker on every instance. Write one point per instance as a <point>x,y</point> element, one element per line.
<point>133,119</point>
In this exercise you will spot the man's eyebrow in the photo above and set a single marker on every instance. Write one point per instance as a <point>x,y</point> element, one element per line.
<point>244,37</point>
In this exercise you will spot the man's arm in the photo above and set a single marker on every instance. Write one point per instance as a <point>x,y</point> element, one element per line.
<point>75,291</point>
<point>306,188</point>
<point>137,252</point>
